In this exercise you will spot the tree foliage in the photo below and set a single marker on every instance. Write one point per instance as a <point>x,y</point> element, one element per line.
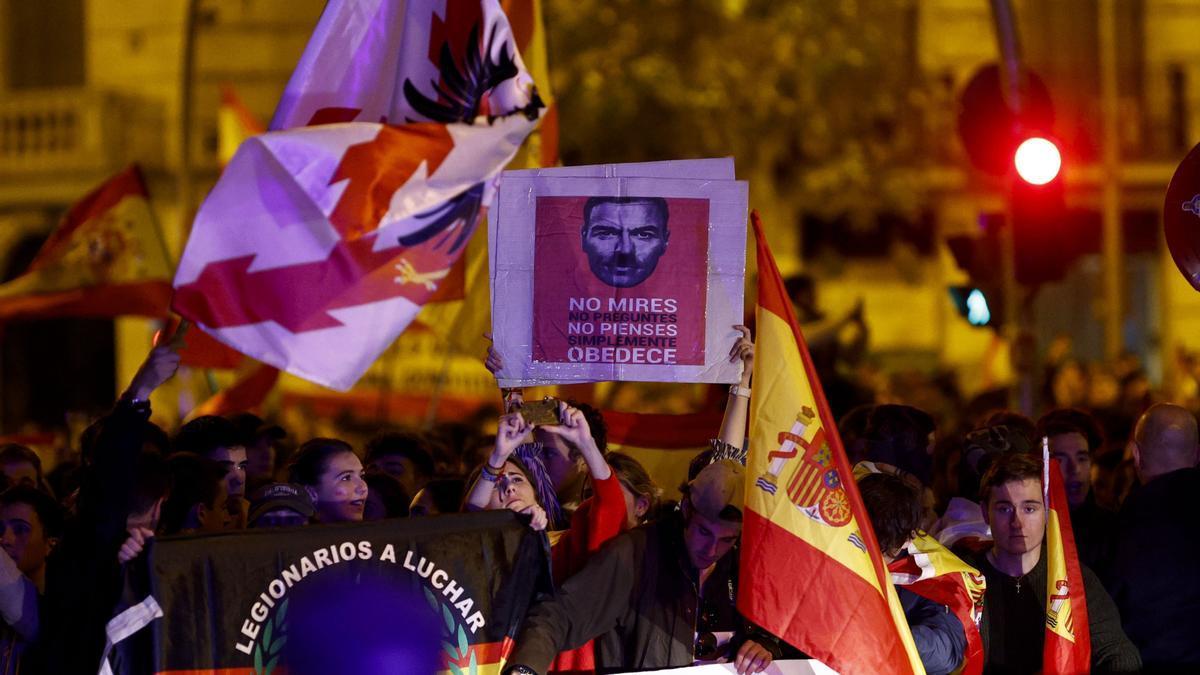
<point>819,101</point>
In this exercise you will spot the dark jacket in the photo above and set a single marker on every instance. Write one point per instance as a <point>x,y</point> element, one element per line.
<point>937,633</point>
<point>638,598</point>
<point>83,577</point>
<point>1013,626</point>
<point>1093,527</point>
<point>1155,573</point>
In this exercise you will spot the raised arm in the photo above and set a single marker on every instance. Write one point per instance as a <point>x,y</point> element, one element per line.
<point>575,430</point>
<point>511,433</point>
<point>733,425</point>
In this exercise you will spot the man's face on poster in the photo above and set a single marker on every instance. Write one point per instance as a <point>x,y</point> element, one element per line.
<point>624,240</point>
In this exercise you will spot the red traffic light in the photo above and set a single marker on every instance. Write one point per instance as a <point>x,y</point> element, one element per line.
<point>1037,160</point>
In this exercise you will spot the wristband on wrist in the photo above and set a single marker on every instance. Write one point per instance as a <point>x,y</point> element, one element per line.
<point>490,473</point>
<point>737,390</point>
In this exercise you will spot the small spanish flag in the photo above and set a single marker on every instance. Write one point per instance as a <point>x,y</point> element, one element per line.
<point>1068,646</point>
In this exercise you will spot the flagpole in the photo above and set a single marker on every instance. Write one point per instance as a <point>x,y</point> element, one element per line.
<point>187,77</point>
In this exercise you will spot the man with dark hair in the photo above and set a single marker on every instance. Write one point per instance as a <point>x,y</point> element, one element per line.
<point>895,510</point>
<point>1014,613</point>
<point>1075,438</point>
<point>218,439</point>
<point>31,523</point>
<point>657,596</point>
<point>259,438</point>
<point>121,493</point>
<point>624,237</point>
<point>21,465</point>
<point>403,455</point>
<point>198,496</point>
<point>1155,574</point>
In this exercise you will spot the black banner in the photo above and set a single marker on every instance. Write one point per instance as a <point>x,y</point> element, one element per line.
<point>444,593</point>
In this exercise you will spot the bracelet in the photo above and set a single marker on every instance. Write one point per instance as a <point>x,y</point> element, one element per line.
<point>490,474</point>
<point>735,390</point>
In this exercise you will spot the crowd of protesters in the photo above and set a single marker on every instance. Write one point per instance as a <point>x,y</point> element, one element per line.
<point>644,582</point>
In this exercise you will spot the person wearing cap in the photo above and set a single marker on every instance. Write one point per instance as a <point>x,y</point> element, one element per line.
<point>659,596</point>
<point>280,505</point>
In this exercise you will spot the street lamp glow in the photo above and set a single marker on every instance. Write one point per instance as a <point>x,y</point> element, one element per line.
<point>1038,161</point>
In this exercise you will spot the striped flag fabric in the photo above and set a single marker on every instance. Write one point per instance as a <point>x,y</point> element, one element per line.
<point>105,259</point>
<point>811,569</point>
<point>663,444</point>
<point>931,571</point>
<point>1068,645</point>
<point>325,236</point>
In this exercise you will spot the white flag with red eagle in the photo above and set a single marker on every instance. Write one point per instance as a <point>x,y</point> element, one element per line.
<point>324,236</point>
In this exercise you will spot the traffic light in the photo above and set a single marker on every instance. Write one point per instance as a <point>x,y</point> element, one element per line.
<point>1044,241</point>
<point>980,306</point>
<point>1037,160</point>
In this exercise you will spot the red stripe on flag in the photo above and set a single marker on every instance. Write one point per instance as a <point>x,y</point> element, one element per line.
<point>667,432</point>
<point>845,623</point>
<point>143,298</point>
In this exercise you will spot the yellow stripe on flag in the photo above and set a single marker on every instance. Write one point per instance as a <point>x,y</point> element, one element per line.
<point>811,568</point>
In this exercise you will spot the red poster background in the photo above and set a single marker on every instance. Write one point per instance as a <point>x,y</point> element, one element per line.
<point>561,272</point>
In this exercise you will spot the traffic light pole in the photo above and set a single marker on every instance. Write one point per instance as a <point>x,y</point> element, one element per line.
<point>1111,205</point>
<point>1021,394</point>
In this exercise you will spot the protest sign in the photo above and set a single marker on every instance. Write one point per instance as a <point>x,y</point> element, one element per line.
<point>440,594</point>
<point>618,277</point>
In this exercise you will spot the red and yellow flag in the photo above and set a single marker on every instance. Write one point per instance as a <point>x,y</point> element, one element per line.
<point>106,259</point>
<point>235,123</point>
<point>663,444</point>
<point>811,569</point>
<point>1068,646</point>
<point>931,571</point>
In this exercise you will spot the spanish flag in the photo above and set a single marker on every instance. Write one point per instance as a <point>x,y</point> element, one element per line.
<point>1068,646</point>
<point>106,259</point>
<point>811,569</point>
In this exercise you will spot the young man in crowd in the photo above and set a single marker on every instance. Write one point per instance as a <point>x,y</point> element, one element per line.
<point>120,498</point>
<point>895,509</point>
<point>21,465</point>
<point>1014,614</point>
<point>259,439</point>
<point>30,525</point>
<point>1155,574</point>
<point>1075,438</point>
<point>218,439</point>
<point>405,456</point>
<point>198,496</point>
<point>659,596</point>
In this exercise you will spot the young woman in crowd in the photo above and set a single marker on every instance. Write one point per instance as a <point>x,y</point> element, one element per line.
<point>334,474</point>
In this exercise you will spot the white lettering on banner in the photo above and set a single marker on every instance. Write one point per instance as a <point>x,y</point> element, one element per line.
<point>621,355</point>
<point>430,571</point>
<point>292,575</point>
<point>277,589</point>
